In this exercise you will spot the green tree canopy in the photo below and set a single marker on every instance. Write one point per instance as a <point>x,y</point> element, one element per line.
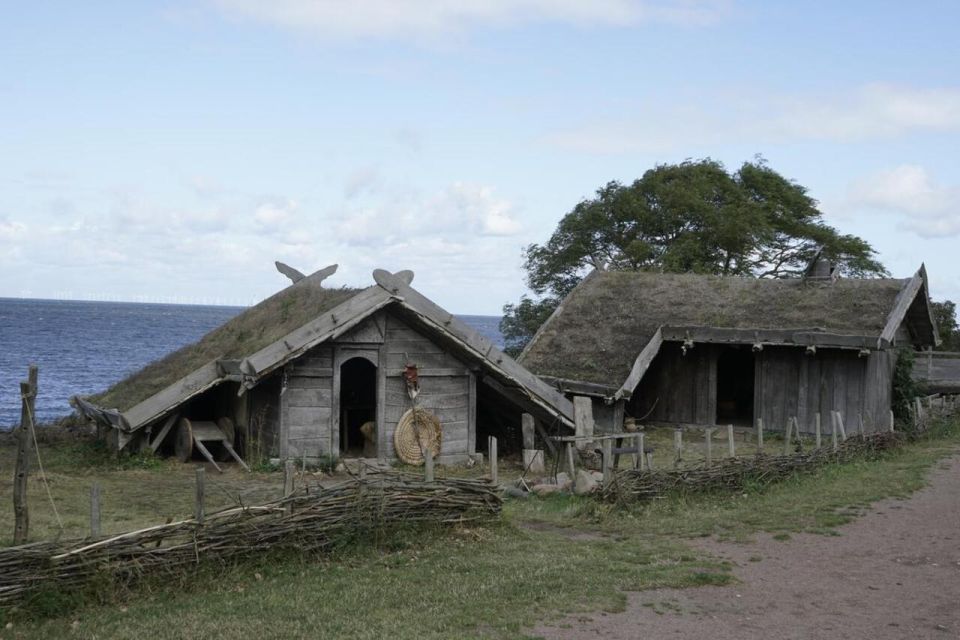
<point>689,217</point>
<point>945,313</point>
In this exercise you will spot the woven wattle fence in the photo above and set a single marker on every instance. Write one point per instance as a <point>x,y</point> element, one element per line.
<point>316,519</point>
<point>733,474</point>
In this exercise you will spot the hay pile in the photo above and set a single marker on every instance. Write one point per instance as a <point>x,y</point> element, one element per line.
<point>315,520</point>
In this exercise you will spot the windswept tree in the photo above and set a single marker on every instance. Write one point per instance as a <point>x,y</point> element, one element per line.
<point>945,313</point>
<point>689,217</point>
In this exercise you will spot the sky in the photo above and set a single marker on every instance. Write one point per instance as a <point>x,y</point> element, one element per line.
<point>170,151</point>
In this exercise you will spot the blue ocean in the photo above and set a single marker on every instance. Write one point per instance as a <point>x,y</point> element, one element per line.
<point>82,348</point>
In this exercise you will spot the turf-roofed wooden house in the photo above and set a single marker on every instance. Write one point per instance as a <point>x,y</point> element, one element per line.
<point>327,372</point>
<point>689,349</point>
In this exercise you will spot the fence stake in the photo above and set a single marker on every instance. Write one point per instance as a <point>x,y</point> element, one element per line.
<point>843,432</point>
<point>891,421</point>
<point>731,445</point>
<point>428,464</point>
<point>607,463</point>
<point>708,441</point>
<point>860,423</point>
<point>833,430</point>
<point>918,413</point>
<point>492,450</point>
<point>28,393</point>
<point>649,456</point>
<point>759,436</point>
<point>677,446</point>
<point>786,440</point>
<point>95,510</point>
<point>198,505</point>
<point>817,430</point>
<point>640,450</point>
<point>570,465</point>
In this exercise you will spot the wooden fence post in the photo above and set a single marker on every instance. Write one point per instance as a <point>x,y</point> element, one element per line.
<point>492,450</point>
<point>708,441</point>
<point>892,426</point>
<point>731,445</point>
<point>95,510</point>
<point>817,430</point>
<point>21,512</point>
<point>787,435</point>
<point>649,456</point>
<point>607,463</point>
<point>759,436</point>
<point>428,464</point>
<point>843,432</point>
<point>570,466</point>
<point>833,430</point>
<point>860,423</point>
<point>198,512</point>
<point>677,446</point>
<point>640,450</point>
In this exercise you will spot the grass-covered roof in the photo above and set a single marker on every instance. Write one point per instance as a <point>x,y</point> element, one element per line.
<point>608,319</point>
<point>241,336</point>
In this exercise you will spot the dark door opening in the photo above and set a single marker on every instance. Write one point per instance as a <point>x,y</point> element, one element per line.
<point>358,406</point>
<point>735,370</point>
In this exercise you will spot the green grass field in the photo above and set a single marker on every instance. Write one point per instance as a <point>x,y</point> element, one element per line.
<point>547,557</point>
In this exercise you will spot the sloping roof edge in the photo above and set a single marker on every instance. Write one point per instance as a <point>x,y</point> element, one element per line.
<point>916,285</point>
<point>494,360</point>
<point>556,312</point>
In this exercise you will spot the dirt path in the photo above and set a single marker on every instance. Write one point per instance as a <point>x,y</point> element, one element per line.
<point>894,573</point>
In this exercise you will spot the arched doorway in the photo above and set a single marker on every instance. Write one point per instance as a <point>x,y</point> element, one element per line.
<point>358,406</point>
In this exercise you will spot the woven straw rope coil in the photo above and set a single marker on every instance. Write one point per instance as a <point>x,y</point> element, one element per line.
<point>408,446</point>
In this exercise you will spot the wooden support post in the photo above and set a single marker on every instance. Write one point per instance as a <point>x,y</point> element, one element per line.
<point>759,436</point>
<point>198,512</point>
<point>860,423</point>
<point>28,395</point>
<point>95,510</point>
<point>640,450</point>
<point>492,452</point>
<point>607,464</point>
<point>528,429</point>
<point>892,422</point>
<point>816,428</point>
<point>731,445</point>
<point>917,413</point>
<point>428,464</point>
<point>649,456</point>
<point>570,466</point>
<point>677,446</point>
<point>787,437</point>
<point>708,442</point>
<point>583,420</point>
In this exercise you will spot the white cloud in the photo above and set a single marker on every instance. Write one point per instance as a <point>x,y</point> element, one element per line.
<point>339,20</point>
<point>864,113</point>
<point>460,210</point>
<point>927,208</point>
<point>273,215</point>
<point>11,229</point>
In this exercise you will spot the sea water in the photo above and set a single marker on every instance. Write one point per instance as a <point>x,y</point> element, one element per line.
<point>82,348</point>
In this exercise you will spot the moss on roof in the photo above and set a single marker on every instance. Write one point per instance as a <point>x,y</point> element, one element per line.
<point>241,336</point>
<point>608,319</point>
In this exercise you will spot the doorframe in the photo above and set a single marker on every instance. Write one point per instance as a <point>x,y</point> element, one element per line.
<point>340,355</point>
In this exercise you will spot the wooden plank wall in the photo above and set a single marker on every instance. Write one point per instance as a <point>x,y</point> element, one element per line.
<point>940,370</point>
<point>445,386</point>
<point>306,407</point>
<point>787,383</point>
<point>679,388</point>
<point>790,383</point>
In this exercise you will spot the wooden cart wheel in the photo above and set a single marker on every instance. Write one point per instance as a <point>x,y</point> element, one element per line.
<point>183,447</point>
<point>230,432</point>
